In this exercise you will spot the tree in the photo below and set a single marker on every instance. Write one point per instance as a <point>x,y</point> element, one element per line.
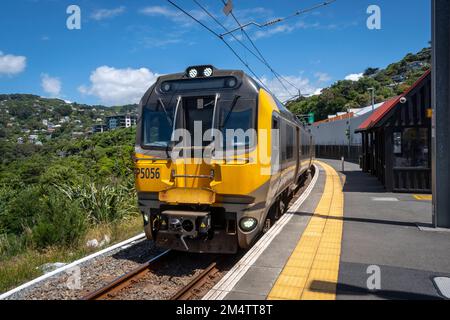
<point>370,71</point>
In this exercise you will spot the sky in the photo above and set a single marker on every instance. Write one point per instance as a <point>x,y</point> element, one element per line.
<point>124,45</point>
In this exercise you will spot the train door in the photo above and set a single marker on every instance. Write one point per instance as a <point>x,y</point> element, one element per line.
<point>276,170</point>
<point>297,153</point>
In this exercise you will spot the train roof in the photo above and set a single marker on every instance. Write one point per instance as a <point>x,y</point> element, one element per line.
<point>226,73</point>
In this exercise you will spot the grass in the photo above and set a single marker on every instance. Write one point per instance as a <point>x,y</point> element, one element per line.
<point>25,266</point>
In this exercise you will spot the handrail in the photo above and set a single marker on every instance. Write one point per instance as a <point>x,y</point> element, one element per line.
<point>214,113</point>
<point>175,117</point>
<point>211,177</point>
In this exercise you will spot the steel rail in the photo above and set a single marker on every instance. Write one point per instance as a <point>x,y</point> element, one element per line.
<point>125,280</point>
<point>188,291</point>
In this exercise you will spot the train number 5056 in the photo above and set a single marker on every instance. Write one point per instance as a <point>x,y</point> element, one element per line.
<point>148,173</point>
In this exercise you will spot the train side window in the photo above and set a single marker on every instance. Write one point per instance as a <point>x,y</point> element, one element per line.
<point>283,142</point>
<point>289,142</point>
<point>275,124</point>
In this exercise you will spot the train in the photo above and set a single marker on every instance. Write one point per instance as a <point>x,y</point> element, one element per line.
<point>217,159</point>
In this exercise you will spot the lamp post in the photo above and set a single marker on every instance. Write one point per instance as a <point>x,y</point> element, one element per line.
<point>373,98</point>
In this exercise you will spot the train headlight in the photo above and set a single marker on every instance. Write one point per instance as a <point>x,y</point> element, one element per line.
<point>231,83</point>
<point>166,87</point>
<point>248,224</point>
<point>200,71</point>
<point>193,73</point>
<point>207,72</point>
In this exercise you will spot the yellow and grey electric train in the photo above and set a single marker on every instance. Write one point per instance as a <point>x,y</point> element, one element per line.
<point>221,190</point>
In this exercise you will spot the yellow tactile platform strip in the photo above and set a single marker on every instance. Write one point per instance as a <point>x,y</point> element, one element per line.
<point>311,273</point>
<point>423,197</point>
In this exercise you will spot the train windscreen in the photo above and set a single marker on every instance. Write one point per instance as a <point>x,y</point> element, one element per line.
<point>230,115</point>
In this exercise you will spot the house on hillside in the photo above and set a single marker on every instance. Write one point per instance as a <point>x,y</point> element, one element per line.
<point>98,128</point>
<point>120,121</point>
<point>33,138</point>
<point>399,78</point>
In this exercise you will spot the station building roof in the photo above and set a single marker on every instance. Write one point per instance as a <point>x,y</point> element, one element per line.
<point>352,113</point>
<point>382,111</point>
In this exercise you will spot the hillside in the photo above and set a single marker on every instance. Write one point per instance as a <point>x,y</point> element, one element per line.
<point>22,115</point>
<point>346,94</point>
<point>55,197</point>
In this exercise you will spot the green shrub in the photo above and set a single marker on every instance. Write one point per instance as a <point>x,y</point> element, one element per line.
<point>103,204</point>
<point>21,210</point>
<point>11,245</point>
<point>62,222</point>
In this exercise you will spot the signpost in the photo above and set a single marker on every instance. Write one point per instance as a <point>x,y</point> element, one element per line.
<point>310,117</point>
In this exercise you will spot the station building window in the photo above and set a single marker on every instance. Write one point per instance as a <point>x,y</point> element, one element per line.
<point>411,148</point>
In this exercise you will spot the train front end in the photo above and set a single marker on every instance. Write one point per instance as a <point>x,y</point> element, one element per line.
<point>198,177</point>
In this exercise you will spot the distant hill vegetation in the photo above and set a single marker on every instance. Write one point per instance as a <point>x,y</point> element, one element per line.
<point>347,94</point>
<point>22,115</point>
<point>58,180</point>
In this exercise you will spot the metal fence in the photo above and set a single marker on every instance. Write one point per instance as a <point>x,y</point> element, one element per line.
<point>350,153</point>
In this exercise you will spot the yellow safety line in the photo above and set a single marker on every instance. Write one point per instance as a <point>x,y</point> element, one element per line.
<point>311,272</point>
<point>422,197</point>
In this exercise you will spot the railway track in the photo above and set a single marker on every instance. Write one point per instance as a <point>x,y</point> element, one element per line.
<point>191,290</point>
<point>197,286</point>
<point>194,288</point>
<point>127,279</point>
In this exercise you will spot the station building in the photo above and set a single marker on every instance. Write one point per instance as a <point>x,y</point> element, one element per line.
<point>335,137</point>
<point>120,121</point>
<point>396,140</point>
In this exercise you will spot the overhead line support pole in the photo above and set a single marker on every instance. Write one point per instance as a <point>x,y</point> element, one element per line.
<point>441,112</point>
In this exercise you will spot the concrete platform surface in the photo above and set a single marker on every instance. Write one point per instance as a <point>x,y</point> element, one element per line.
<point>366,246</point>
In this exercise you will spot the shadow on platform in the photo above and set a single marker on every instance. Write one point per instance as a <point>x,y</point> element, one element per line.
<point>364,220</point>
<point>350,290</point>
<point>358,181</point>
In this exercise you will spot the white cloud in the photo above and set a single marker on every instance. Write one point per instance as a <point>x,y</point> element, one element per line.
<point>51,85</point>
<point>11,64</point>
<point>354,76</point>
<point>173,15</point>
<point>119,86</point>
<point>102,14</point>
<point>159,11</point>
<point>280,92</point>
<point>266,33</point>
<point>322,76</point>
<point>284,28</point>
<point>317,92</point>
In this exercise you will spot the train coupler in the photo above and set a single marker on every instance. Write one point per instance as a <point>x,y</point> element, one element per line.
<point>191,224</point>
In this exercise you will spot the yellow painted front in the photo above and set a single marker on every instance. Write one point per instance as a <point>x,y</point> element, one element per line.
<point>240,176</point>
<point>187,196</point>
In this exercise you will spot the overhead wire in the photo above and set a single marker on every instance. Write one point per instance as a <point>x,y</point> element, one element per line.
<point>277,76</point>
<point>223,40</point>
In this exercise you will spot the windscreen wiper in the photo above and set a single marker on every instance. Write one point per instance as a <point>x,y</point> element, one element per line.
<point>230,112</point>
<point>169,119</point>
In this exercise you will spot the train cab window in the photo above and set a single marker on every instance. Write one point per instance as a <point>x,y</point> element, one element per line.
<point>157,125</point>
<point>237,114</point>
<point>198,112</point>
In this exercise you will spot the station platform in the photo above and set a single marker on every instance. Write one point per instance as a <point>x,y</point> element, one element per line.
<point>345,239</point>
